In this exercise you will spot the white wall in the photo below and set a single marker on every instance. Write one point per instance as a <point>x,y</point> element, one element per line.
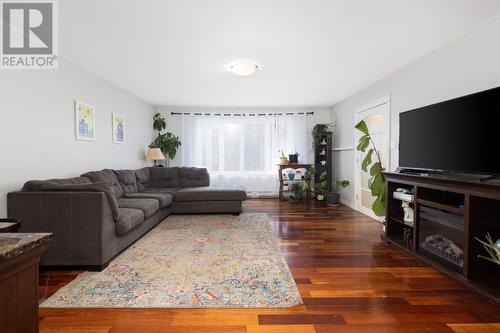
<point>465,66</point>
<point>174,123</point>
<point>37,135</point>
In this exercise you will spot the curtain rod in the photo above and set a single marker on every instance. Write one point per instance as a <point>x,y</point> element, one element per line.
<point>241,114</point>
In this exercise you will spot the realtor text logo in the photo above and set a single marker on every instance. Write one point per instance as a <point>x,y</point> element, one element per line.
<point>29,34</point>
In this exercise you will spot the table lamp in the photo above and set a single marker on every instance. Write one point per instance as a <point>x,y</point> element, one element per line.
<point>155,154</point>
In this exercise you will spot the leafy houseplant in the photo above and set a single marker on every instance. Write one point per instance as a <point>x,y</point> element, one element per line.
<point>334,196</point>
<point>493,249</point>
<point>300,189</point>
<point>376,183</point>
<point>167,142</point>
<point>318,132</point>
<point>322,188</point>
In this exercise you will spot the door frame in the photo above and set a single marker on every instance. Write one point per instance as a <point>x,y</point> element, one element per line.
<point>360,114</point>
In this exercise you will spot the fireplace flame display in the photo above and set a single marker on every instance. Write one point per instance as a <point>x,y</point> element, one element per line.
<point>445,248</point>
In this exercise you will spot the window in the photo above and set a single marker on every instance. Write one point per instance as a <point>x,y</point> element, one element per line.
<point>242,150</point>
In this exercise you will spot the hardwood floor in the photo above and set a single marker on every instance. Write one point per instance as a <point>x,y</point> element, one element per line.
<point>349,280</point>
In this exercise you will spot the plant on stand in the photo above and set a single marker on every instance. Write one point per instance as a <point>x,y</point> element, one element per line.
<point>318,132</point>
<point>376,183</point>
<point>301,189</point>
<point>167,142</point>
<point>322,188</point>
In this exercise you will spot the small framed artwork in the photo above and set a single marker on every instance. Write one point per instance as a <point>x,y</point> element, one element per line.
<point>118,128</point>
<point>84,121</point>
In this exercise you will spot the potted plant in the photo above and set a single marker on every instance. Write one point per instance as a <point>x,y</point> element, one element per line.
<point>293,158</point>
<point>321,188</point>
<point>334,195</point>
<point>318,133</point>
<point>377,182</point>
<point>301,189</point>
<point>167,142</point>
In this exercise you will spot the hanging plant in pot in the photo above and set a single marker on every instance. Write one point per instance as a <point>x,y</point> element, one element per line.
<point>318,134</point>
<point>376,183</point>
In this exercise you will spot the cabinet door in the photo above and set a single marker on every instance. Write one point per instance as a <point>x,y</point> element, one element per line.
<point>28,303</point>
<point>8,304</point>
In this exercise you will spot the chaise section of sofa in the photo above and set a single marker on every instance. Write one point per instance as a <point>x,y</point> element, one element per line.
<point>99,214</point>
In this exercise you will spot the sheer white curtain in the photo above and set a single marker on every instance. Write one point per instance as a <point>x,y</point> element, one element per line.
<point>242,149</point>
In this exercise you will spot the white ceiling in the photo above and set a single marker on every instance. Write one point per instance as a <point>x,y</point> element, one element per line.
<point>312,52</point>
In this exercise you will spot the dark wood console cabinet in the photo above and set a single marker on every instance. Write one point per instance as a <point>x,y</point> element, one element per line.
<point>19,258</point>
<point>449,214</point>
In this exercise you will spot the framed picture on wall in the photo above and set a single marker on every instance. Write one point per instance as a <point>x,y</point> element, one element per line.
<point>118,128</point>
<point>84,121</point>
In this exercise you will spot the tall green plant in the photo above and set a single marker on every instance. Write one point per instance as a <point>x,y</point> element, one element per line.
<point>376,182</point>
<point>167,142</point>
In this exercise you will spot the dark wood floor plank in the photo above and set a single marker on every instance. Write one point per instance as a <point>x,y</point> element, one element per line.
<point>301,319</point>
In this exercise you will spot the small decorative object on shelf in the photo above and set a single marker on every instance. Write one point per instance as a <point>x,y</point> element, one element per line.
<point>291,174</point>
<point>283,159</point>
<point>322,152</point>
<point>407,237</point>
<point>493,249</point>
<point>284,176</point>
<point>323,141</point>
<point>323,162</point>
<point>293,158</point>
<point>408,213</point>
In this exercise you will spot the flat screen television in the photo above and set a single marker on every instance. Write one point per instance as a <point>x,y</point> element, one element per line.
<point>461,135</point>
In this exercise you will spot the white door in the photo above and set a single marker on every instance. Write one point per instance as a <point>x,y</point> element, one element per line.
<point>377,117</point>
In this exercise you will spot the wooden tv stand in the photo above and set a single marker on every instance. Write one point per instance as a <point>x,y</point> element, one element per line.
<point>449,213</point>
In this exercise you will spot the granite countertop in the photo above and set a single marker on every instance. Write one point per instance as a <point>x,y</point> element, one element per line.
<point>14,244</point>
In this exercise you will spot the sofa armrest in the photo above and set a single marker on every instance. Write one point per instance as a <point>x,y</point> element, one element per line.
<point>79,221</point>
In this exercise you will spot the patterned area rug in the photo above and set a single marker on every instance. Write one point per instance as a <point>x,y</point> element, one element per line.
<point>198,261</point>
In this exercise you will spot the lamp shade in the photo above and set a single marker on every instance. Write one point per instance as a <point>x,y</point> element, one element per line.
<point>154,154</point>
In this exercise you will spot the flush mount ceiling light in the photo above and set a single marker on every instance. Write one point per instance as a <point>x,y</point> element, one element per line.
<point>243,67</point>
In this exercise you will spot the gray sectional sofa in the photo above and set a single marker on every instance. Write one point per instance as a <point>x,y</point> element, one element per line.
<point>99,214</point>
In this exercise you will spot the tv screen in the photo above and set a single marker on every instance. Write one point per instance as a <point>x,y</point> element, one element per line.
<point>459,135</point>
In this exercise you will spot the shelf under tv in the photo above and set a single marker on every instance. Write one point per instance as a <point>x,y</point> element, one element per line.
<point>473,208</point>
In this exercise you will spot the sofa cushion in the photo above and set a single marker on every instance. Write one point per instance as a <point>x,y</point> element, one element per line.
<point>35,185</point>
<point>127,180</point>
<point>167,190</point>
<point>164,177</point>
<point>106,176</point>
<point>143,178</point>
<point>147,206</point>
<point>90,187</point>
<point>128,219</point>
<point>191,177</point>
<point>164,199</point>
<point>210,193</point>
